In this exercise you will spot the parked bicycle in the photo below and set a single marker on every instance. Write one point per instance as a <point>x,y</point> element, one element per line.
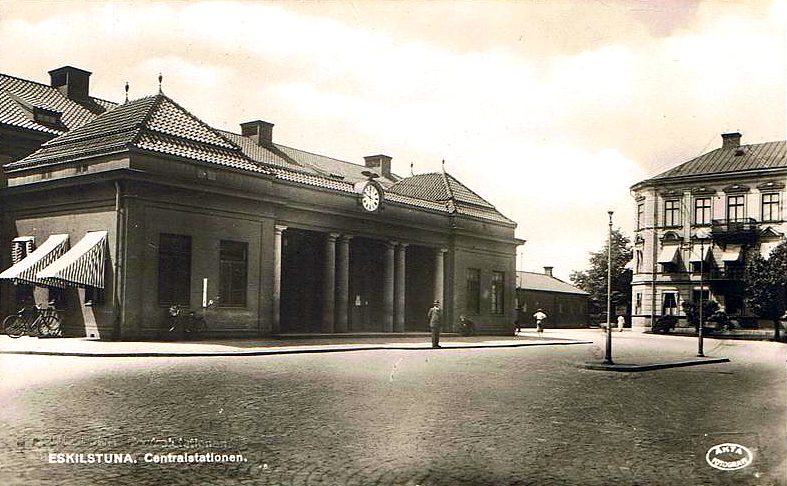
<point>35,321</point>
<point>185,324</point>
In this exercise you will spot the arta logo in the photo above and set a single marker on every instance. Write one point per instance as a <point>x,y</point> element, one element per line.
<point>729,457</point>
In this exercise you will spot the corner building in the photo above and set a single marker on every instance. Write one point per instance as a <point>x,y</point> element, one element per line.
<point>697,224</point>
<point>145,206</point>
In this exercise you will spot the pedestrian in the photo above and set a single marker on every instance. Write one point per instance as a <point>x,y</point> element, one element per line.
<point>621,322</point>
<point>540,317</point>
<point>435,319</point>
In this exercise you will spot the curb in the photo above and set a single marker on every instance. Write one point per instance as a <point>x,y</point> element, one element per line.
<point>651,367</point>
<point>273,352</point>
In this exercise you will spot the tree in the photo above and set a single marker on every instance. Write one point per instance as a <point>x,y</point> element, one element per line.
<point>692,311</point>
<point>766,285</point>
<point>594,279</point>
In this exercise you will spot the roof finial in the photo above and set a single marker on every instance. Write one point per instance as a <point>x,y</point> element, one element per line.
<point>160,78</point>
<point>443,165</point>
<point>411,169</point>
<point>126,91</point>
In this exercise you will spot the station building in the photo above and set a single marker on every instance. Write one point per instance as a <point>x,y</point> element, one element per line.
<point>140,206</point>
<point>697,224</point>
<point>564,304</point>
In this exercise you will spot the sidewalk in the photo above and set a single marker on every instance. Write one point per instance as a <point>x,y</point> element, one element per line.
<point>267,346</point>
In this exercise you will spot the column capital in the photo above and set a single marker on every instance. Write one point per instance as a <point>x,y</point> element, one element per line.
<point>278,228</point>
<point>346,238</point>
<point>442,250</point>
<point>333,236</point>
<point>390,244</point>
<point>403,245</point>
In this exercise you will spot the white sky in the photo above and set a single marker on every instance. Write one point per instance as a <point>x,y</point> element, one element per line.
<point>549,110</point>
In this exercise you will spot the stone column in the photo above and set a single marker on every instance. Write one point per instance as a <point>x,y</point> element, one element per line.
<point>277,231</point>
<point>401,251</point>
<point>329,284</point>
<point>439,275</point>
<point>343,284</point>
<point>388,287</point>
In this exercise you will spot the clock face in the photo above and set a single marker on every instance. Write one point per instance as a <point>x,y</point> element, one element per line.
<point>370,198</point>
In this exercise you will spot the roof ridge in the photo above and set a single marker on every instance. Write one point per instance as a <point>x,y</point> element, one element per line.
<point>473,192</point>
<point>145,119</point>
<point>203,124</point>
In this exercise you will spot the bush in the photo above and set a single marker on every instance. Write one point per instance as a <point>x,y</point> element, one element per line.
<point>665,323</point>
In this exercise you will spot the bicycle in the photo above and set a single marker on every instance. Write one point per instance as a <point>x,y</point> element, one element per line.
<point>186,326</point>
<point>35,321</point>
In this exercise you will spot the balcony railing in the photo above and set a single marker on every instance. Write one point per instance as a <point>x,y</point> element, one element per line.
<point>737,228</point>
<point>735,273</point>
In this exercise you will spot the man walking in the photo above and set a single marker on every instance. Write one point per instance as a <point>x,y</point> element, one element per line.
<point>435,319</point>
<point>540,317</point>
<point>621,322</point>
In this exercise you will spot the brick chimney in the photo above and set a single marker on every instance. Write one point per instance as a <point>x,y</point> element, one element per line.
<point>730,140</point>
<point>73,83</point>
<point>259,131</point>
<point>548,271</point>
<point>381,161</point>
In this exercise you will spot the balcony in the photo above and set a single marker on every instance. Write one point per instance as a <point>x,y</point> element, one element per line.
<point>725,273</point>
<point>739,230</point>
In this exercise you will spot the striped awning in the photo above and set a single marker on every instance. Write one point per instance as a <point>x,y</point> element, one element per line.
<point>83,265</point>
<point>26,270</point>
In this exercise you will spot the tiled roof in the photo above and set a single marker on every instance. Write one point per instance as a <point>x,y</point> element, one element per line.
<point>300,160</point>
<point>758,156</point>
<point>17,94</point>
<point>541,281</point>
<point>446,189</point>
<point>154,123</point>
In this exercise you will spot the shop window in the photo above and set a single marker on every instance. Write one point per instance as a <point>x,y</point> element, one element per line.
<point>174,269</point>
<point>672,212</point>
<point>702,210</point>
<point>57,298</point>
<point>498,292</point>
<point>234,258</point>
<point>770,207</point>
<point>670,304</point>
<point>93,295</point>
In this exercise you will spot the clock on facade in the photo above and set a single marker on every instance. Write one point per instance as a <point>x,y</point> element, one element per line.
<point>370,198</point>
<point>370,195</point>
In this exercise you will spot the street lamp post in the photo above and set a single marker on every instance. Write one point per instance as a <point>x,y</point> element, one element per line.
<point>699,332</point>
<point>608,355</point>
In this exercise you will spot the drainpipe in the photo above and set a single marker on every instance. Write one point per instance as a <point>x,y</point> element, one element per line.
<point>116,333</point>
<point>654,257</point>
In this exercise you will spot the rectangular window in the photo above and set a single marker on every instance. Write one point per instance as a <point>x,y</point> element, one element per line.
<point>770,207</point>
<point>735,209</point>
<point>702,210</point>
<point>672,212</point>
<point>473,290</point>
<point>640,215</point>
<point>638,304</point>
<point>670,304</point>
<point>638,261</point>
<point>174,269</point>
<point>234,258</point>
<point>498,291</point>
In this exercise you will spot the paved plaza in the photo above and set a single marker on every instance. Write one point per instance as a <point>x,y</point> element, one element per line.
<point>456,416</point>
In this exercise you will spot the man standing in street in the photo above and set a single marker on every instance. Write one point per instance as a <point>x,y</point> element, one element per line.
<point>621,322</point>
<point>435,319</point>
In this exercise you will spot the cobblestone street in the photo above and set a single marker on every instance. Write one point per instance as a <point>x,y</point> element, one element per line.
<point>431,417</point>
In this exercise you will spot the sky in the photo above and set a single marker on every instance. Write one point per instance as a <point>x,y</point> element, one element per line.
<point>548,110</point>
